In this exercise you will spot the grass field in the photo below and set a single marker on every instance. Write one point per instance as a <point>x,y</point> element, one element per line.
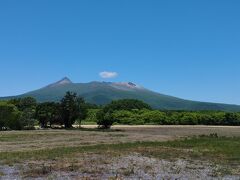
<point>124,152</point>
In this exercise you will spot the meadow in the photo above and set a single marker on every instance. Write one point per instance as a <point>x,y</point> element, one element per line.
<point>123,152</point>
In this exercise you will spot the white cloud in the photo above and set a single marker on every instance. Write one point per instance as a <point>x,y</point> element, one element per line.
<point>107,74</point>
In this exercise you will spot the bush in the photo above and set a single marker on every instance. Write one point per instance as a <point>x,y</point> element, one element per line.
<point>105,120</point>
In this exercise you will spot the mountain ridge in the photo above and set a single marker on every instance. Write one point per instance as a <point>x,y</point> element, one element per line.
<point>102,93</point>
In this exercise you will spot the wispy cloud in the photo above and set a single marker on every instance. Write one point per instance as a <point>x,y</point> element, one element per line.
<point>107,74</point>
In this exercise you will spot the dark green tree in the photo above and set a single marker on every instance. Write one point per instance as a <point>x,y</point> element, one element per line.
<point>10,117</point>
<point>48,113</point>
<point>231,119</point>
<point>24,103</point>
<point>72,108</point>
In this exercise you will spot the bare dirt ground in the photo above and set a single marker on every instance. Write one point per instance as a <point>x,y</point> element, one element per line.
<point>138,163</point>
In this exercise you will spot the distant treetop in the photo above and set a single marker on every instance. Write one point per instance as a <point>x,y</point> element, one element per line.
<point>126,104</point>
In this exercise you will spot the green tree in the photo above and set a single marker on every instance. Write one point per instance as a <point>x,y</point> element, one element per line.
<point>10,117</point>
<point>92,115</point>
<point>126,104</point>
<point>125,117</point>
<point>27,106</point>
<point>72,108</point>
<point>106,115</point>
<point>48,113</point>
<point>24,103</point>
<point>231,119</point>
<point>188,118</point>
<point>153,117</point>
<point>82,110</point>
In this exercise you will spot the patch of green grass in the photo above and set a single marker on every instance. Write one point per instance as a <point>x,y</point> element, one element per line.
<point>222,149</point>
<point>227,148</point>
<point>89,123</point>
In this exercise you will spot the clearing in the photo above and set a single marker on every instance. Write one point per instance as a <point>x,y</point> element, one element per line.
<point>125,152</point>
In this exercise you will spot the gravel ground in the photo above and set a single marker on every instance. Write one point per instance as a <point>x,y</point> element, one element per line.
<point>133,166</point>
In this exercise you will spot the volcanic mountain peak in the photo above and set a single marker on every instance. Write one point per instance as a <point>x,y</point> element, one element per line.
<point>63,81</point>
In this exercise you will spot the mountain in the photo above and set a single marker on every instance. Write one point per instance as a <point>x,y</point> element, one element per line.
<point>63,81</point>
<point>104,92</point>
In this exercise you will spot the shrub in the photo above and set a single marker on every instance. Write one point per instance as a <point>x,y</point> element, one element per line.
<point>105,120</point>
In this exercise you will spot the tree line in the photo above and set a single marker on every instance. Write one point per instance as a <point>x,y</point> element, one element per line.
<point>26,113</point>
<point>134,112</point>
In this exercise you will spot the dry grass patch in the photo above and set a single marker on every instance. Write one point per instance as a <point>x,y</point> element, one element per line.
<point>41,139</point>
<point>92,153</point>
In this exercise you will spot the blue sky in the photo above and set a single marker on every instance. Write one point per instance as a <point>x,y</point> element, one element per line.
<point>189,49</point>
